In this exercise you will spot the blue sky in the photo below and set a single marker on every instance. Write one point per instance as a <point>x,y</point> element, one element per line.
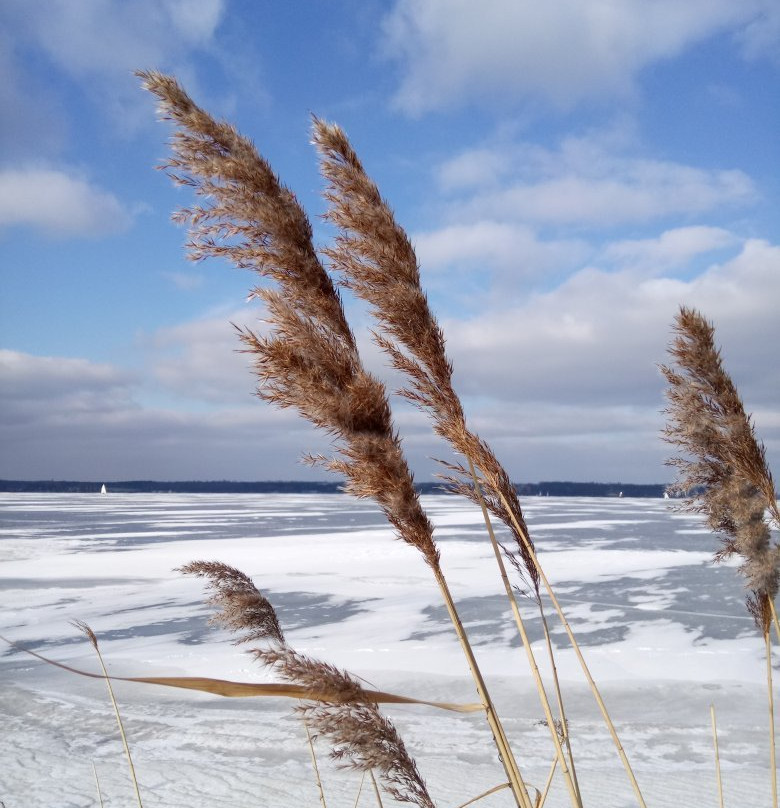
<point>570,174</point>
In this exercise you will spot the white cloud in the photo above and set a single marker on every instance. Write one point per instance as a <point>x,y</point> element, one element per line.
<point>59,203</point>
<point>671,249</point>
<point>591,180</point>
<point>597,338</point>
<point>761,37</point>
<point>201,359</point>
<point>503,51</point>
<point>490,244</point>
<point>99,43</point>
<point>96,37</point>
<point>69,418</point>
<point>565,383</point>
<point>36,387</point>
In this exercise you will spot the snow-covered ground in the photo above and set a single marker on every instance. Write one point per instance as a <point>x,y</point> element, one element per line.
<point>665,633</point>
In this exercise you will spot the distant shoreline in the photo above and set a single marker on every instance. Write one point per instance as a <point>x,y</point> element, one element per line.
<point>544,488</point>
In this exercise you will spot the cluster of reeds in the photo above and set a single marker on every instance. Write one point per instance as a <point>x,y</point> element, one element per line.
<point>309,361</point>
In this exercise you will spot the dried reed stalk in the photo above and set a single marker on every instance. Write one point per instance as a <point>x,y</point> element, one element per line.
<point>90,635</point>
<point>723,473</point>
<point>228,689</point>
<point>717,755</point>
<point>484,794</point>
<point>378,262</point>
<point>310,361</point>
<point>97,785</point>
<point>315,767</point>
<point>589,677</point>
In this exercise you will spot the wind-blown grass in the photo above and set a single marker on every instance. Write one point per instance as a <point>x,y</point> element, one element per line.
<point>724,473</point>
<point>308,360</point>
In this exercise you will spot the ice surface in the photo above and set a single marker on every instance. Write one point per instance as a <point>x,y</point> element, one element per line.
<point>665,633</point>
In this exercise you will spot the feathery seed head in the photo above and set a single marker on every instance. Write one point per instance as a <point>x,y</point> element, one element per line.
<point>309,361</point>
<point>723,471</point>
<point>377,261</point>
<point>241,606</point>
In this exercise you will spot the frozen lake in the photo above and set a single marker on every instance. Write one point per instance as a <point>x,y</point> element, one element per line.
<point>666,634</point>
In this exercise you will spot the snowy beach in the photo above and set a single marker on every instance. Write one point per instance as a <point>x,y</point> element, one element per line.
<point>666,634</point>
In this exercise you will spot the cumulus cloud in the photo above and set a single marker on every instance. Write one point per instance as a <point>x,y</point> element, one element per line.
<point>503,51</point>
<point>57,387</point>
<point>597,338</point>
<point>584,181</point>
<point>201,359</point>
<point>59,203</point>
<point>563,383</point>
<point>566,382</point>
<point>68,418</point>
<point>499,245</point>
<point>93,38</point>
<point>671,249</point>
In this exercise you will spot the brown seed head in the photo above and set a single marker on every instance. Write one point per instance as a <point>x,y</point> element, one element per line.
<point>723,470</point>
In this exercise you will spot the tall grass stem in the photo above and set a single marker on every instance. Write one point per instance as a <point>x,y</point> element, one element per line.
<point>97,785</point>
<point>548,784</point>
<point>575,645</point>
<point>717,755</point>
<point>573,794</point>
<point>314,764</point>
<point>360,789</point>
<point>376,789</point>
<point>93,640</point>
<point>508,760</point>
<point>559,696</point>
<point>771,705</point>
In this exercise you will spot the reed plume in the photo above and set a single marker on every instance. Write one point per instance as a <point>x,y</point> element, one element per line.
<point>378,263</point>
<point>724,475</point>
<point>361,737</point>
<point>723,471</point>
<point>241,607</point>
<point>310,360</point>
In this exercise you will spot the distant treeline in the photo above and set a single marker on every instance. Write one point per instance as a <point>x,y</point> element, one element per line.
<point>553,489</point>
